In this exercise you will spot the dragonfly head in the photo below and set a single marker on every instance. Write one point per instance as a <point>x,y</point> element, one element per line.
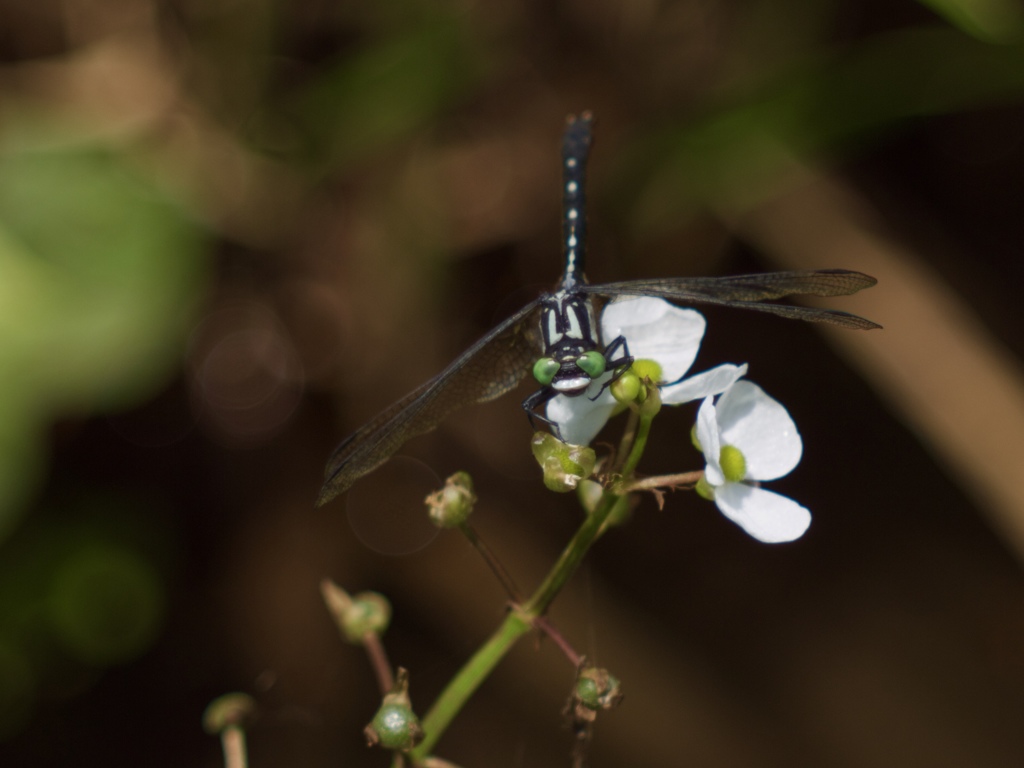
<point>570,375</point>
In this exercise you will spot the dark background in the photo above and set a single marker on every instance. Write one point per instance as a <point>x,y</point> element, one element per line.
<point>231,232</point>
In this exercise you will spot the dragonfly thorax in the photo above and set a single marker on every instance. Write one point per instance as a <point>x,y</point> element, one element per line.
<point>571,345</point>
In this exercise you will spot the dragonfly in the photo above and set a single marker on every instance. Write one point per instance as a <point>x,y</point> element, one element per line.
<point>557,338</point>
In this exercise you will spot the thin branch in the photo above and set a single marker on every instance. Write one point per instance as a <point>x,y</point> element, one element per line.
<point>681,481</point>
<point>232,739</point>
<point>379,661</point>
<point>544,625</point>
<point>493,563</point>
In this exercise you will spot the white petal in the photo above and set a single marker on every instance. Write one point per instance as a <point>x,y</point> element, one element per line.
<point>767,516</point>
<point>579,419</point>
<point>656,330</point>
<point>697,387</point>
<point>710,444</point>
<point>761,428</point>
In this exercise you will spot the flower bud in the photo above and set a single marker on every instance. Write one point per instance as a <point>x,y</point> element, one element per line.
<point>597,689</point>
<point>233,710</point>
<point>370,613</point>
<point>366,613</point>
<point>451,506</point>
<point>648,369</point>
<point>622,512</point>
<point>589,493</point>
<point>564,465</point>
<point>650,405</point>
<point>627,388</point>
<point>704,489</point>
<point>395,726</point>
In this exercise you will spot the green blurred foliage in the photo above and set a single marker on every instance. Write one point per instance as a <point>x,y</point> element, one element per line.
<point>101,274</point>
<point>17,689</point>
<point>996,21</point>
<point>389,89</point>
<point>105,604</point>
<point>81,589</point>
<point>740,150</point>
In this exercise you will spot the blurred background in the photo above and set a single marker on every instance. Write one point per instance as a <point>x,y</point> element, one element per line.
<point>230,232</point>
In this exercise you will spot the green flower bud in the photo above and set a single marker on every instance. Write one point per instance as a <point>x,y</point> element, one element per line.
<point>650,405</point>
<point>704,489</point>
<point>233,710</point>
<point>627,388</point>
<point>451,506</point>
<point>367,612</point>
<point>395,726</point>
<point>564,465</point>
<point>648,369</point>
<point>621,513</point>
<point>734,465</point>
<point>693,438</point>
<point>589,493</point>
<point>370,612</point>
<point>597,689</point>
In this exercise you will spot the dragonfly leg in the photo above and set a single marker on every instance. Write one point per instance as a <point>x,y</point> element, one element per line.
<point>533,402</point>
<point>619,365</point>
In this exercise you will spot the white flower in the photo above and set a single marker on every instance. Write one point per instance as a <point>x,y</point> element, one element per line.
<point>747,437</point>
<point>654,330</point>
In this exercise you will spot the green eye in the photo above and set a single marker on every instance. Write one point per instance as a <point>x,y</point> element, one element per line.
<point>544,370</point>
<point>592,363</point>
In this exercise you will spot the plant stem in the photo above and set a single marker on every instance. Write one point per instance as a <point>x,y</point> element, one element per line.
<point>655,482</point>
<point>233,742</point>
<point>468,679</point>
<point>571,556</point>
<point>522,619</point>
<point>379,661</point>
<point>544,625</point>
<point>639,444</point>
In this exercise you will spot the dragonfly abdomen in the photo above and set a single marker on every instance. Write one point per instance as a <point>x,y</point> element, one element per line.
<point>575,150</point>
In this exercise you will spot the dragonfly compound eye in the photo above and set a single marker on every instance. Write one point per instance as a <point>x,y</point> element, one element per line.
<point>592,363</point>
<point>544,370</point>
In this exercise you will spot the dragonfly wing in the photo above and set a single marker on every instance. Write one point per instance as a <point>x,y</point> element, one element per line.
<point>491,367</point>
<point>749,291</point>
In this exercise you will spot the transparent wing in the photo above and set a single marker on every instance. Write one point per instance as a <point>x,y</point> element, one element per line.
<point>491,367</point>
<point>748,291</point>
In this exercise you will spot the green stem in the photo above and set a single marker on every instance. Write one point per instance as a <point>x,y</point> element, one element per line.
<point>571,557</point>
<point>520,620</point>
<point>469,678</point>
<point>639,444</point>
<point>574,553</point>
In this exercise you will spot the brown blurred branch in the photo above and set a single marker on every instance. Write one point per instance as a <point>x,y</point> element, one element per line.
<point>959,389</point>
